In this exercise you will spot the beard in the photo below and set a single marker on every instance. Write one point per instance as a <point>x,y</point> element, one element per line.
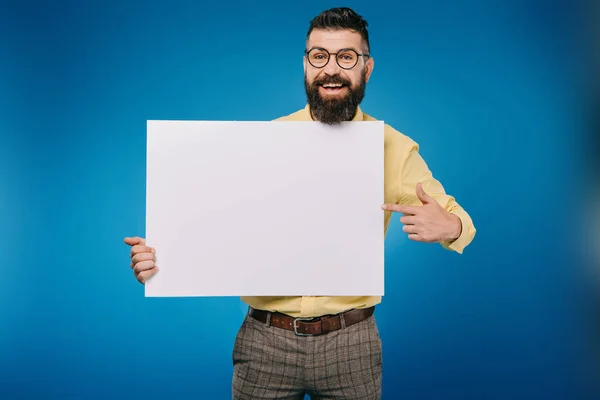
<point>334,110</point>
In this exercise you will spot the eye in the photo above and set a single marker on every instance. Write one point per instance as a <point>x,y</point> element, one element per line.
<point>318,54</point>
<point>347,56</point>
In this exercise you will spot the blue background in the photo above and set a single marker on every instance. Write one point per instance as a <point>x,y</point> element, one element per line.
<point>487,88</point>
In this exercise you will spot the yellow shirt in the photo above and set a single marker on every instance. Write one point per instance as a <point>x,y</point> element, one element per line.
<point>403,169</point>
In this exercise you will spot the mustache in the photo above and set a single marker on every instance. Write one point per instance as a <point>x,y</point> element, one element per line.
<point>332,79</point>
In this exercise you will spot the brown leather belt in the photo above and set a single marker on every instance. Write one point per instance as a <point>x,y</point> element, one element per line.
<point>312,326</point>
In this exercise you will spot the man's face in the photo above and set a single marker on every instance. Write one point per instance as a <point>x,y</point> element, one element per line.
<point>333,92</point>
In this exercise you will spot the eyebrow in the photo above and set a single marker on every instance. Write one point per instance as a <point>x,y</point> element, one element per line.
<point>343,48</point>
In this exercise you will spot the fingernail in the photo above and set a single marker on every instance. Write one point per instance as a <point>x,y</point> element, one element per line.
<point>153,251</point>
<point>384,207</point>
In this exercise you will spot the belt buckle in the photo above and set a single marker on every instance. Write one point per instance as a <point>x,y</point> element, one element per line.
<point>296,326</point>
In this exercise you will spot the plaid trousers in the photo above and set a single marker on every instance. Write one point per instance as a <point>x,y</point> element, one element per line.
<point>273,363</point>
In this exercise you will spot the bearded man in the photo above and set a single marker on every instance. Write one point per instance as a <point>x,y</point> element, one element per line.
<point>329,347</point>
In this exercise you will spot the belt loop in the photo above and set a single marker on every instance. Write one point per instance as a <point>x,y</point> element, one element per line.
<point>342,321</point>
<point>268,321</point>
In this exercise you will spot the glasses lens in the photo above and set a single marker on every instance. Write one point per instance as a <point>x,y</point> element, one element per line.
<point>347,58</point>
<point>318,57</point>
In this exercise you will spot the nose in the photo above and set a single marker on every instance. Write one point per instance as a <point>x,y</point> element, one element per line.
<point>332,66</point>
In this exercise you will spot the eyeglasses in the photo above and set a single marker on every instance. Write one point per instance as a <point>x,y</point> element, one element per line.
<point>345,58</point>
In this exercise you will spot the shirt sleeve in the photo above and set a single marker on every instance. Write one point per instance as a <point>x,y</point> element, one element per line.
<point>415,170</point>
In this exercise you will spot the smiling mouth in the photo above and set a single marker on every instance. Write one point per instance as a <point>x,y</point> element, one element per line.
<point>332,88</point>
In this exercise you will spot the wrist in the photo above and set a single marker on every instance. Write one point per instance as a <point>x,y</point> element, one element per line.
<point>455,227</point>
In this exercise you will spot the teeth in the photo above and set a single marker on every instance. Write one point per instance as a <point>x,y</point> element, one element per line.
<point>334,85</point>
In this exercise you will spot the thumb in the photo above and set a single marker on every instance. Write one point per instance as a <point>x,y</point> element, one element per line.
<point>132,241</point>
<point>424,197</point>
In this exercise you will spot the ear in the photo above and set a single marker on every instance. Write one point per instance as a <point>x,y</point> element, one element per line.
<point>370,64</point>
<point>304,64</point>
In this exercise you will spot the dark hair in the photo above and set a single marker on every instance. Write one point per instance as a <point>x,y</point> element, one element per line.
<point>340,18</point>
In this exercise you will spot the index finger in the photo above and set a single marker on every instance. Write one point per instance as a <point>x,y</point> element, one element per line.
<point>400,208</point>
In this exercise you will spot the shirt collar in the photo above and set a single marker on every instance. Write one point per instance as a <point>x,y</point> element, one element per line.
<point>359,116</point>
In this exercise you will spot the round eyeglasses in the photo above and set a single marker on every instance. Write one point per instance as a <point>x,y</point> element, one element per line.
<point>345,58</point>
